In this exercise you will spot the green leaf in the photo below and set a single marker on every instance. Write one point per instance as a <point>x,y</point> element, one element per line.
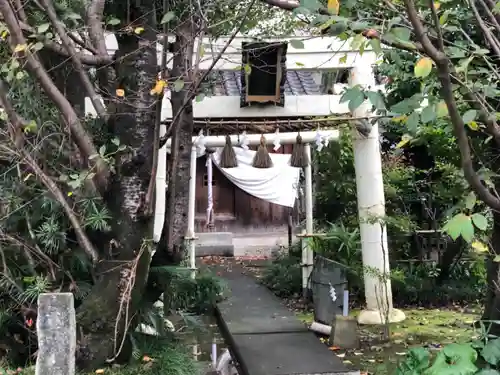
<point>200,97</point>
<point>470,201</point>
<point>412,122</point>
<point>423,67</point>
<point>178,85</point>
<point>297,44</point>
<point>402,33</point>
<point>311,5</point>
<point>73,16</point>
<point>488,371</point>
<point>444,17</point>
<point>167,17</point>
<point>38,46</point>
<point>355,102</point>
<point>115,141</point>
<point>480,221</point>
<point>491,352</point>
<point>354,96</point>
<point>469,116</point>
<point>113,22</point>
<point>377,48</point>
<point>428,114</point>
<point>376,99</point>
<point>102,150</point>
<point>43,28</point>
<point>454,226</point>
<point>467,231</point>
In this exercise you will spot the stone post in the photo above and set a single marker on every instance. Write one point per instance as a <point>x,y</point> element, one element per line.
<point>371,208</point>
<point>56,330</point>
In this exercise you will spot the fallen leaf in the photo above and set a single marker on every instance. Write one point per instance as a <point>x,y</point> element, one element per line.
<point>99,371</point>
<point>347,362</point>
<point>341,355</point>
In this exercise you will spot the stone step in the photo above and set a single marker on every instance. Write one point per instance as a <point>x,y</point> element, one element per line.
<point>215,244</point>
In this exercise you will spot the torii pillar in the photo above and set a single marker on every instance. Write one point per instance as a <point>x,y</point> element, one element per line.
<point>371,210</point>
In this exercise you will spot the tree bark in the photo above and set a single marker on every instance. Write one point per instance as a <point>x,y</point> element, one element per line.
<point>104,317</point>
<point>492,302</point>
<point>174,229</point>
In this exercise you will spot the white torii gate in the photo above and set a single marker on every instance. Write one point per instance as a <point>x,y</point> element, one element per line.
<point>318,54</point>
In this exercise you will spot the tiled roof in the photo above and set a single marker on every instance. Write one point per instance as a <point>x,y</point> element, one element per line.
<point>298,82</point>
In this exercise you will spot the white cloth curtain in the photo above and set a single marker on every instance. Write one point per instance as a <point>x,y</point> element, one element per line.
<point>277,185</point>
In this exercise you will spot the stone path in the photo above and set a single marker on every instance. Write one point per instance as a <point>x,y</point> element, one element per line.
<point>265,338</point>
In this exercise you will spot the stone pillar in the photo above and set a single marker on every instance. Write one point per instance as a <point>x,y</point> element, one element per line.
<point>371,210</point>
<point>56,330</point>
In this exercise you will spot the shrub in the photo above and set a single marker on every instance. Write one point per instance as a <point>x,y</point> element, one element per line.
<point>284,275</point>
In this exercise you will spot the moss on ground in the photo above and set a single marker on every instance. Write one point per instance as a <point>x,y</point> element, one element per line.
<point>423,327</point>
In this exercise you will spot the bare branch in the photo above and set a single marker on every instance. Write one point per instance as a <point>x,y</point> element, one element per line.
<point>94,18</point>
<point>490,38</point>
<point>59,49</point>
<point>66,42</point>
<point>444,75</point>
<point>80,135</point>
<point>194,89</point>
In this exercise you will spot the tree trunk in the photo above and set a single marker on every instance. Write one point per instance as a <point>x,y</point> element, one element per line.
<point>105,315</point>
<point>174,230</point>
<point>492,303</point>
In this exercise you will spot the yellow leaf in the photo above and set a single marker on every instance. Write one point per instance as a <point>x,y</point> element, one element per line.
<point>473,125</point>
<point>423,67</point>
<point>139,30</point>
<point>400,118</point>
<point>441,109</point>
<point>159,86</point>
<point>70,193</point>
<point>20,48</point>
<point>437,5</point>
<point>496,258</point>
<point>333,6</point>
<point>5,34</point>
<point>404,140</point>
<point>27,177</point>
<point>479,247</point>
<point>99,371</point>
<point>120,93</point>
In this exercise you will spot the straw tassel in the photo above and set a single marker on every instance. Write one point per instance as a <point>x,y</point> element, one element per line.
<point>262,158</point>
<point>299,158</point>
<point>227,156</point>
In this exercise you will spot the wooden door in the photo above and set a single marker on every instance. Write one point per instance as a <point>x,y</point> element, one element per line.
<point>222,191</point>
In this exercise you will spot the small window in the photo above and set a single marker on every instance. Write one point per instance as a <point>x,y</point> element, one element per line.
<point>205,180</point>
<point>264,81</point>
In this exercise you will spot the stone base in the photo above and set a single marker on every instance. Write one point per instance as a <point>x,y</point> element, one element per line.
<point>344,332</point>
<point>375,317</point>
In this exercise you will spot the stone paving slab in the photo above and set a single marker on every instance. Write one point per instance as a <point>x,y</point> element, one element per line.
<point>265,337</point>
<point>293,353</point>
<point>252,309</point>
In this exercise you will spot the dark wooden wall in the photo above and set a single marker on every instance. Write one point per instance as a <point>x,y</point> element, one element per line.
<point>234,209</point>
